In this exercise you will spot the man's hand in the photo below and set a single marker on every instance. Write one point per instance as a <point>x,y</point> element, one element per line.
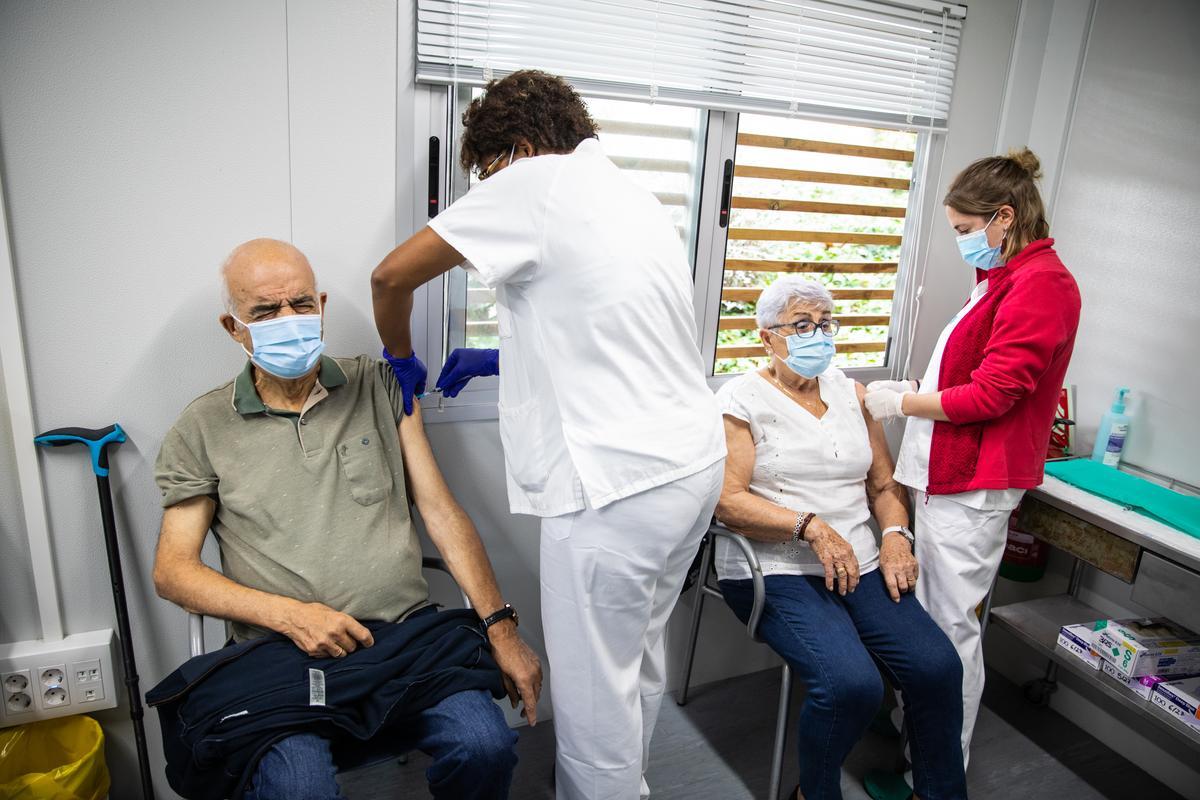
<point>898,565</point>
<point>410,374</point>
<point>322,632</point>
<point>836,554</point>
<point>520,666</point>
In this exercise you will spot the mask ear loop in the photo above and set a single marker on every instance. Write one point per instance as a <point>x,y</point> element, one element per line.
<point>249,355</point>
<point>1003,234</point>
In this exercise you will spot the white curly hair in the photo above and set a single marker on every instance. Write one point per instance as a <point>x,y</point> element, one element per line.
<point>774,300</point>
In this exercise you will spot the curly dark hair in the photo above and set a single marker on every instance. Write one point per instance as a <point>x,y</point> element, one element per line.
<point>530,104</point>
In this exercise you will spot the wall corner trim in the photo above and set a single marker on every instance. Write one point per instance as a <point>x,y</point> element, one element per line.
<point>29,476</point>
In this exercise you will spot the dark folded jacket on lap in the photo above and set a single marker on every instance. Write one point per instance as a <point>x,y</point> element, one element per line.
<point>220,712</point>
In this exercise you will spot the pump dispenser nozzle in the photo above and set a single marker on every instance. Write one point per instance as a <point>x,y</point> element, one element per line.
<point>1118,405</point>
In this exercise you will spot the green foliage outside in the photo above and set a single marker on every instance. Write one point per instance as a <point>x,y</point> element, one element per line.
<point>810,251</point>
<point>481,308</point>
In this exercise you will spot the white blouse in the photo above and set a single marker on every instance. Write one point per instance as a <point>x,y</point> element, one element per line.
<point>804,464</point>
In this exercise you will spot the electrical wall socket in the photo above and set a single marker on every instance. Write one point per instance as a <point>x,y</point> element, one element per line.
<point>52,682</point>
<point>17,689</point>
<point>41,680</point>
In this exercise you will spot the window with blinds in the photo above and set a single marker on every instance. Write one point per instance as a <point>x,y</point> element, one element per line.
<point>819,106</point>
<point>658,147</point>
<point>874,61</point>
<point>821,199</point>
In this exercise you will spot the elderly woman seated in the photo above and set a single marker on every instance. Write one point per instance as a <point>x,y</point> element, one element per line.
<point>807,468</point>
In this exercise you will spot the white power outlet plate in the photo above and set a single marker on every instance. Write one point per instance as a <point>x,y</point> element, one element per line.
<point>52,682</point>
<point>18,690</point>
<point>41,680</point>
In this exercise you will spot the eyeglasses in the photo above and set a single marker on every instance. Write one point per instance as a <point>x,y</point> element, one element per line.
<point>806,328</point>
<point>482,174</point>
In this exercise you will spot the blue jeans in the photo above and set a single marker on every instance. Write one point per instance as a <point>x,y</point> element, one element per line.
<point>833,645</point>
<point>471,746</point>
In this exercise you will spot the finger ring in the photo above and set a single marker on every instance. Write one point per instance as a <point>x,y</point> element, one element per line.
<point>841,570</point>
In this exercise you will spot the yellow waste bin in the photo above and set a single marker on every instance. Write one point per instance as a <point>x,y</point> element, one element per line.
<point>57,759</point>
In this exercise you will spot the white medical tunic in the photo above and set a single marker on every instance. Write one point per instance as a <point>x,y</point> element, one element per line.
<point>912,464</point>
<point>602,388</point>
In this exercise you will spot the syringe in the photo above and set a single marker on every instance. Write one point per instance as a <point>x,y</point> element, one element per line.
<point>441,406</point>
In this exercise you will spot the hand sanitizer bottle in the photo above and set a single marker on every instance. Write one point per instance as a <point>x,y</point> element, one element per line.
<point>1114,427</point>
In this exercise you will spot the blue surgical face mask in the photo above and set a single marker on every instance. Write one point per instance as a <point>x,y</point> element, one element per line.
<point>809,355</point>
<point>287,347</point>
<point>975,250</point>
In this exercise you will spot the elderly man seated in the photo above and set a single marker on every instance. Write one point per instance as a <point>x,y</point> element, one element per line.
<point>807,469</point>
<point>304,467</point>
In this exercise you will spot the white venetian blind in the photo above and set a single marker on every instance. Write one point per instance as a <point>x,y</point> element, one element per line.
<point>869,61</point>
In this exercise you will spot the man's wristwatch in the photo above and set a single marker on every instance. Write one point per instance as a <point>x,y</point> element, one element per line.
<point>903,531</point>
<point>508,612</point>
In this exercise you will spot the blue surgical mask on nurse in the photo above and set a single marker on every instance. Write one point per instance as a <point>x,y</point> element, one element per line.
<point>975,249</point>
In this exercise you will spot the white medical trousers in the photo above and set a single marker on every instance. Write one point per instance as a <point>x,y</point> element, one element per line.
<point>610,578</point>
<point>958,551</point>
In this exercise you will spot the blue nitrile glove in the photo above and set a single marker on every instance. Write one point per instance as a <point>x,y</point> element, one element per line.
<point>466,363</point>
<point>410,374</point>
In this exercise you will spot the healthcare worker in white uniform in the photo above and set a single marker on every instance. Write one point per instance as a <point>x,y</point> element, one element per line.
<point>610,433</point>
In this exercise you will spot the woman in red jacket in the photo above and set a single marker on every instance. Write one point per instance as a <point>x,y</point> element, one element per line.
<point>979,421</point>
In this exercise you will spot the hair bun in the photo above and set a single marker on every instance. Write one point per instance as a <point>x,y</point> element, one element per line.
<point>1026,160</point>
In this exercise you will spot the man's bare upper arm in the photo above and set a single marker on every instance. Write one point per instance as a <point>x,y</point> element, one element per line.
<point>184,527</point>
<point>427,487</point>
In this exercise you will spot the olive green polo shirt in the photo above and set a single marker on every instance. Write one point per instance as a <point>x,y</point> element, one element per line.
<point>310,505</point>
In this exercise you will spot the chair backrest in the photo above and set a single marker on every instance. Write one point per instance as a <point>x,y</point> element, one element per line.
<point>196,621</point>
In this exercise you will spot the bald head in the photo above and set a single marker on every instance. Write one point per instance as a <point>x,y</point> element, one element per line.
<point>264,279</point>
<point>262,269</point>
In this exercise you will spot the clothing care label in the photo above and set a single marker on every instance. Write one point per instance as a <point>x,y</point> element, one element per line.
<point>316,687</point>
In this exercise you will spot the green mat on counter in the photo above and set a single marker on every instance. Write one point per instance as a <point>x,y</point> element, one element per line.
<point>1157,502</point>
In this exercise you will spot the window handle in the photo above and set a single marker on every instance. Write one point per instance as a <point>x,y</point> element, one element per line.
<point>726,193</point>
<point>435,158</point>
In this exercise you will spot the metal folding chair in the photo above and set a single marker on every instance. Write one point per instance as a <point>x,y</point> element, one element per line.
<point>704,590</point>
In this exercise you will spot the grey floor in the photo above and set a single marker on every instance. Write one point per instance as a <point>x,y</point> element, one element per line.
<point>719,746</point>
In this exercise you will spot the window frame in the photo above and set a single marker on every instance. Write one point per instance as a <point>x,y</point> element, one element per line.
<point>434,116</point>
<point>708,298</point>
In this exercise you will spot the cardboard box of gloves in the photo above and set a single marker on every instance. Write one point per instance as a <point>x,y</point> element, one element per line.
<point>1137,647</point>
<point>1077,640</point>
<point>1180,698</point>
<point>1143,687</point>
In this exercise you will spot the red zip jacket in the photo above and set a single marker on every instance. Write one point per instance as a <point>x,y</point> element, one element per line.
<point>1001,376</point>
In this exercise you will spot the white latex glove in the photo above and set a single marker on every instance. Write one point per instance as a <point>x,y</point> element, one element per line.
<point>895,386</point>
<point>885,404</point>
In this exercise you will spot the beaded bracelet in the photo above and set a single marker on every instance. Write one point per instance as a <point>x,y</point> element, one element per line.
<point>802,521</point>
